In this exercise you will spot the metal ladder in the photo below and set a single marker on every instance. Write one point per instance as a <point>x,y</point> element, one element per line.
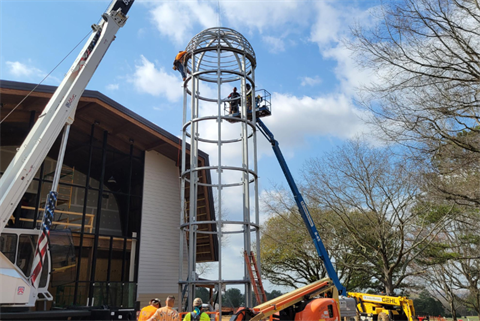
<point>255,277</point>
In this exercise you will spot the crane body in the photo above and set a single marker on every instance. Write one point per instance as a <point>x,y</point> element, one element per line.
<point>18,288</point>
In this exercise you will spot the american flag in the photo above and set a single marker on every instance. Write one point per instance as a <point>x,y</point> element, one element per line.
<point>43,239</point>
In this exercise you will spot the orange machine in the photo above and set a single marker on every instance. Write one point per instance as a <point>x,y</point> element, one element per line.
<point>316,301</point>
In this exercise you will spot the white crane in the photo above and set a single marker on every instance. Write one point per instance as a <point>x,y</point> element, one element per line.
<point>18,289</point>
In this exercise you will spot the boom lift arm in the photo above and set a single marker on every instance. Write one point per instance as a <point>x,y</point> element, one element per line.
<point>367,304</point>
<point>303,209</point>
<point>320,287</point>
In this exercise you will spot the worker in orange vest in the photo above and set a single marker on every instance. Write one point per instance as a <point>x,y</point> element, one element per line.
<point>149,310</point>
<point>167,313</point>
<point>179,63</point>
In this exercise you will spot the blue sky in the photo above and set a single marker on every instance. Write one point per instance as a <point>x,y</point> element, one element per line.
<point>300,59</point>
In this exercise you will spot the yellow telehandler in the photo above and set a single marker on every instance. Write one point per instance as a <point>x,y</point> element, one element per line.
<point>373,307</point>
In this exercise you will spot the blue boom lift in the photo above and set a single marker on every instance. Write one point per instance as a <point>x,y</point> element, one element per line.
<point>303,209</point>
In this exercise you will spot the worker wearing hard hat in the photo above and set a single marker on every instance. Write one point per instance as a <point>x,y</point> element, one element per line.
<point>197,314</point>
<point>167,313</point>
<point>149,310</point>
<point>180,63</point>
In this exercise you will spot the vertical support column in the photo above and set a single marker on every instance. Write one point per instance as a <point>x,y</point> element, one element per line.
<point>255,169</point>
<point>183,235</point>
<point>219,175</point>
<point>91,300</point>
<point>193,188</point>
<point>127,216</point>
<point>84,211</point>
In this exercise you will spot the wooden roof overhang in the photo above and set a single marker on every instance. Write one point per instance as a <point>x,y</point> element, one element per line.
<point>124,128</point>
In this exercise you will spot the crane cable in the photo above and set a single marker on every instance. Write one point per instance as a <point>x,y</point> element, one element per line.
<point>83,39</point>
<point>218,14</point>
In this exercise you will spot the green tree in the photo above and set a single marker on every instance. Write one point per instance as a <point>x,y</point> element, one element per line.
<point>457,263</point>
<point>425,304</point>
<point>202,293</point>
<point>233,298</point>
<point>274,294</point>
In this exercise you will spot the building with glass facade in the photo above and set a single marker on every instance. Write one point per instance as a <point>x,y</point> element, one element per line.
<point>118,201</point>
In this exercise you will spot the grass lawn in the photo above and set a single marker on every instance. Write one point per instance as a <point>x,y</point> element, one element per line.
<point>469,318</point>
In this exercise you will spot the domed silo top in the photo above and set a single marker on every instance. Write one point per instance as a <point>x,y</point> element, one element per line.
<point>225,39</point>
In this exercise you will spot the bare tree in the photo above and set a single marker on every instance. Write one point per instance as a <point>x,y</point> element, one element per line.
<point>376,199</point>
<point>288,255</point>
<point>426,58</point>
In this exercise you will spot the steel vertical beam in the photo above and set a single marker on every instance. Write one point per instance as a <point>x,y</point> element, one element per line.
<point>97,220</point>
<point>84,212</point>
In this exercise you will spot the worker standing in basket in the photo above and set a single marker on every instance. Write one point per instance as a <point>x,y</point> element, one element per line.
<point>197,314</point>
<point>234,102</point>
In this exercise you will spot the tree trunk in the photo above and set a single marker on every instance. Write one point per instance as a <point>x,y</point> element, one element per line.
<point>454,312</point>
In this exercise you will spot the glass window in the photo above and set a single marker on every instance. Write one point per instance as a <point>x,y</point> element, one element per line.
<point>27,209</point>
<point>137,176</point>
<point>63,257</point>
<point>8,245</point>
<point>26,250</point>
<point>134,215</point>
<point>96,168</point>
<point>6,155</point>
<point>110,219</point>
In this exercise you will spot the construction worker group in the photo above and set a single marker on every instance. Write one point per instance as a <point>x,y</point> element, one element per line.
<point>155,312</point>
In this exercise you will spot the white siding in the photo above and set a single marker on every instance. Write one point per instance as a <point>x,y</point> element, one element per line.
<point>159,240</point>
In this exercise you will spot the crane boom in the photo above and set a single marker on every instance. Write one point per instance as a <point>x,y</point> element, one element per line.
<point>17,287</point>
<point>303,209</point>
<point>59,111</point>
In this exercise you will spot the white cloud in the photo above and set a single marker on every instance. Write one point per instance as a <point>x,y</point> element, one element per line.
<point>264,15</point>
<point>275,44</point>
<point>309,81</point>
<point>177,19</point>
<point>18,69</point>
<point>347,71</point>
<point>181,20</point>
<point>112,86</point>
<point>329,31</point>
<point>157,82</point>
<point>296,119</point>
<point>329,24</point>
